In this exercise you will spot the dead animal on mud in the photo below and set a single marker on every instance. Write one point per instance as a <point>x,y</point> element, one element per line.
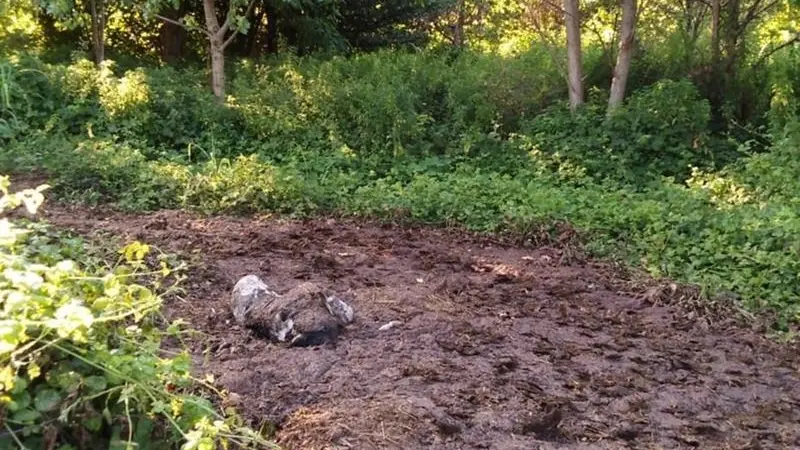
<point>305,316</point>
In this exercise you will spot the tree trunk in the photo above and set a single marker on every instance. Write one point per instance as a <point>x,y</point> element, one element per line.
<point>716,6</point>
<point>218,70</point>
<point>574,63</point>
<point>732,33</point>
<point>251,47</point>
<point>716,82</point>
<point>623,66</point>
<point>272,30</point>
<point>98,14</point>
<point>694,13</point>
<point>172,37</point>
<point>458,29</point>
<point>216,49</point>
<point>272,27</point>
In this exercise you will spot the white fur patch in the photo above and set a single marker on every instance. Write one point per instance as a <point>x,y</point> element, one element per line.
<point>284,329</point>
<point>339,309</point>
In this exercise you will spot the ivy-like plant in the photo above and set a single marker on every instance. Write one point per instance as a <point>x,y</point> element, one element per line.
<point>81,360</point>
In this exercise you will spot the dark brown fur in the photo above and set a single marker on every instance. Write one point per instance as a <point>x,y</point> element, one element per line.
<point>305,307</point>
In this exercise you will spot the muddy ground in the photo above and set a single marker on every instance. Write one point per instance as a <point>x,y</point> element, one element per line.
<point>500,347</point>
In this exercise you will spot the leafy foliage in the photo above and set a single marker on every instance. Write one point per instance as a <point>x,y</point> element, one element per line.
<point>19,106</point>
<point>81,348</point>
<point>718,232</point>
<point>662,130</point>
<point>476,140</point>
<point>695,178</point>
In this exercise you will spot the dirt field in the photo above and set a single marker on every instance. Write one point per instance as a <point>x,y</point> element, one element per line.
<point>500,347</point>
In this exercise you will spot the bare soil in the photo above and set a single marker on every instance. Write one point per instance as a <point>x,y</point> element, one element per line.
<point>499,346</point>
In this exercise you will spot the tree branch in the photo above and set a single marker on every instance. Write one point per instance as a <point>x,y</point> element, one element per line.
<point>608,49</point>
<point>556,8</point>
<point>226,26</point>
<point>752,14</point>
<point>709,3</point>
<point>764,57</point>
<point>550,45</point>
<point>182,25</point>
<point>229,40</point>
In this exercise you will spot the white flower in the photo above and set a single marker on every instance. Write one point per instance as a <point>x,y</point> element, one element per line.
<point>65,266</point>
<point>72,319</point>
<point>25,279</point>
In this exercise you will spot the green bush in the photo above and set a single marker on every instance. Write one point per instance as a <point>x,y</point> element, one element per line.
<point>242,185</point>
<point>475,140</point>
<point>168,111</point>
<point>381,108</point>
<point>712,232</point>
<point>101,171</point>
<point>81,362</point>
<point>25,99</point>
<point>660,131</point>
<point>389,105</point>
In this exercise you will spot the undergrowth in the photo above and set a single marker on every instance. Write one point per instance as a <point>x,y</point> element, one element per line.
<point>725,236</point>
<point>83,363</point>
<point>476,141</point>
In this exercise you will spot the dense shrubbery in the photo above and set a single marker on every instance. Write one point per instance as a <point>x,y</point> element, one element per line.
<point>663,129</point>
<point>476,140</point>
<point>713,232</point>
<point>81,357</point>
<point>376,108</point>
<point>694,192</point>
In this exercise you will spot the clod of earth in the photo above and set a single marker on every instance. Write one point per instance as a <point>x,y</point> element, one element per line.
<point>305,316</point>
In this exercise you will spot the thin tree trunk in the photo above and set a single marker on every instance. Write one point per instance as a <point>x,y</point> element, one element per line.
<point>251,48</point>
<point>216,50</point>
<point>716,6</point>
<point>272,31</point>
<point>218,43</point>
<point>623,66</point>
<point>458,29</point>
<point>98,30</point>
<point>574,63</point>
<point>172,37</point>
<point>218,71</point>
<point>272,27</point>
<point>716,82</point>
<point>730,27</point>
<point>694,17</point>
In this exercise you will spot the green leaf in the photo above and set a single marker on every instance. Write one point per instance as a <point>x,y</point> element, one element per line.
<point>116,442</point>
<point>96,383</point>
<point>25,416</point>
<point>20,384</point>
<point>47,400</point>
<point>93,423</point>
<point>19,402</point>
<point>67,381</point>
<point>144,430</point>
